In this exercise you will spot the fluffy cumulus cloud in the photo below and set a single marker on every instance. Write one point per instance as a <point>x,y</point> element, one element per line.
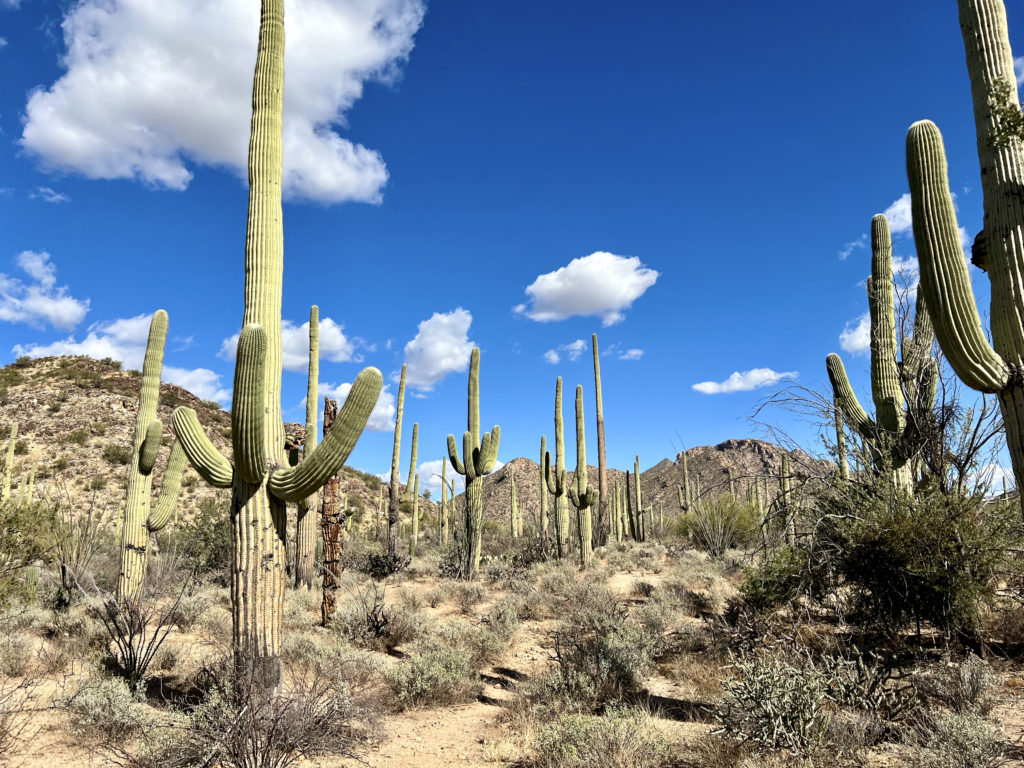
<point>39,301</point>
<point>573,350</point>
<point>601,284</point>
<point>382,417</point>
<point>745,381</point>
<point>335,346</point>
<point>441,346</point>
<point>116,112</point>
<point>631,354</point>
<point>1018,66</point>
<point>125,339</point>
<point>48,195</point>
<point>855,338</point>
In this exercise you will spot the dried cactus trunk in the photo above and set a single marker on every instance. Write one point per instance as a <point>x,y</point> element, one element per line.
<point>603,522</point>
<point>478,457</point>
<point>555,479</point>
<point>581,493</point>
<point>139,521</point>
<point>306,523</point>
<point>394,497</point>
<point>332,520</point>
<point>997,368</point>
<point>261,482</point>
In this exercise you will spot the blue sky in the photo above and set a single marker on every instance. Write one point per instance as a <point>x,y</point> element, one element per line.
<point>695,170</point>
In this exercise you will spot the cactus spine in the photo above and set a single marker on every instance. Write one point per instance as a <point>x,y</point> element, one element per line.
<point>139,521</point>
<point>602,468</point>
<point>261,482</point>
<point>515,523</point>
<point>9,464</point>
<point>889,377</point>
<point>394,497</point>
<point>581,493</point>
<point>478,457</point>
<point>945,282</point>
<point>543,532</point>
<point>555,478</point>
<point>306,523</point>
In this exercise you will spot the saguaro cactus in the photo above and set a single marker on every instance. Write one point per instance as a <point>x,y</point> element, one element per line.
<point>9,464</point>
<point>543,528</point>
<point>332,520</point>
<point>785,501</point>
<point>414,532</point>
<point>603,527</point>
<point>641,513</point>
<point>890,378</point>
<point>411,493</point>
<point>478,457</point>
<point>442,514</point>
<point>515,524</point>
<point>394,497</point>
<point>306,524</point>
<point>581,493</point>
<point>554,478</point>
<point>139,522</point>
<point>841,461</point>
<point>261,482</point>
<point>997,367</point>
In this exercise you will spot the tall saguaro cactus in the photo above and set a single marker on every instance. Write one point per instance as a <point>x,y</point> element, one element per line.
<point>478,457</point>
<point>581,493</point>
<point>261,482</point>
<point>641,513</point>
<point>414,533</point>
<point>412,490</point>
<point>554,478</point>
<point>890,378</point>
<point>394,497</point>
<point>602,467</point>
<point>306,523</point>
<point>515,524</point>
<point>543,527</point>
<point>139,521</point>
<point>442,514</point>
<point>332,521</point>
<point>997,367</point>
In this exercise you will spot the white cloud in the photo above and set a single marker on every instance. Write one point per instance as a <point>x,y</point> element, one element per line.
<point>10,3</point>
<point>3,42</point>
<point>631,354</point>
<point>116,112</point>
<point>382,417</point>
<point>441,346</point>
<point>125,339</point>
<point>995,477</point>
<point>850,247</point>
<point>744,382</point>
<point>1018,67</point>
<point>48,195</point>
<point>40,302</point>
<point>573,350</point>
<point>856,339</point>
<point>898,214</point>
<point>334,346</point>
<point>601,284</point>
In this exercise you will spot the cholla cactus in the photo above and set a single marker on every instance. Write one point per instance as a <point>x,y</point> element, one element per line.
<point>261,482</point>
<point>139,521</point>
<point>997,367</point>
<point>581,493</point>
<point>478,457</point>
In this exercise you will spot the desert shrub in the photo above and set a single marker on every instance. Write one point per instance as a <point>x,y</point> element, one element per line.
<point>467,596</point>
<point>78,436</point>
<point>117,454</point>
<point>15,654</point>
<point>716,526</point>
<point>380,565</point>
<point>621,738</point>
<point>189,611</point>
<point>776,704</point>
<point>438,674</point>
<point>437,595</point>
<point>369,622</point>
<point>451,564</point>
<point>204,542</point>
<point>898,560</point>
<point>105,710</point>
<point>25,536</point>
<point>960,740</point>
<point>967,686</point>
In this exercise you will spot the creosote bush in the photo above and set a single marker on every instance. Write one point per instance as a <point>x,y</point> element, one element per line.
<point>620,738</point>
<point>436,674</point>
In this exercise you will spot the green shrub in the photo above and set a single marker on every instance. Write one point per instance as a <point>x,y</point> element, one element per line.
<point>20,447</point>
<point>621,737</point>
<point>78,436</point>
<point>961,741</point>
<point>716,526</point>
<point>117,454</point>
<point>204,542</point>
<point>105,710</point>
<point>437,675</point>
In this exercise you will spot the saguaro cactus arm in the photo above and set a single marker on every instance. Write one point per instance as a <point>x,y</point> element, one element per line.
<point>453,453</point>
<point>856,416</point>
<point>293,483</point>
<point>202,454</point>
<point>247,406</point>
<point>168,498</point>
<point>944,277</point>
<point>555,481</point>
<point>150,446</point>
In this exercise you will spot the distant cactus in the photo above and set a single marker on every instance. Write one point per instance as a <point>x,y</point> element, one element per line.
<point>945,283</point>
<point>139,521</point>
<point>478,457</point>
<point>414,534</point>
<point>554,478</point>
<point>915,376</point>
<point>786,510</point>
<point>603,523</point>
<point>410,497</point>
<point>394,496</point>
<point>641,519</point>
<point>306,523</point>
<point>9,464</point>
<point>515,524</point>
<point>442,515</point>
<point>543,532</point>
<point>581,493</point>
<point>262,483</point>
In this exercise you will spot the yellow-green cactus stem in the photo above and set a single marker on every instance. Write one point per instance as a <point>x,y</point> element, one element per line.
<point>414,535</point>
<point>841,461</point>
<point>641,513</point>
<point>442,517</point>
<point>581,493</point>
<point>788,513</point>
<point>554,478</point>
<point>306,522</point>
<point>603,522</point>
<point>478,457</point>
<point>543,528</point>
<point>409,497</point>
<point>394,496</point>
<point>514,524</point>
